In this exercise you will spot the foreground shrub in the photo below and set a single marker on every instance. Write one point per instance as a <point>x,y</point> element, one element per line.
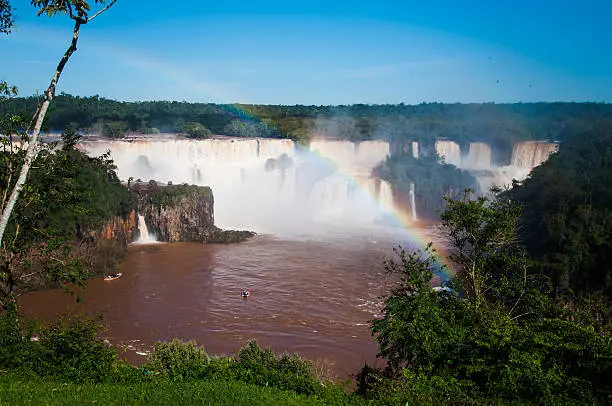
<point>74,349</point>
<point>178,360</point>
<point>263,367</point>
<point>379,388</point>
<point>15,342</point>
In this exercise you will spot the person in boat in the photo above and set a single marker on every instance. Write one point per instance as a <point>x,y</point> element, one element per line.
<point>245,293</point>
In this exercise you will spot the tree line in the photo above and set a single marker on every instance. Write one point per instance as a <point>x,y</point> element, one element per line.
<point>499,124</point>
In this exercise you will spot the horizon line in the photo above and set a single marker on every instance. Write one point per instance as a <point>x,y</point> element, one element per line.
<point>324,105</point>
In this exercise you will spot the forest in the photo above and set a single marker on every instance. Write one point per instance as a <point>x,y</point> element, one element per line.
<point>499,124</point>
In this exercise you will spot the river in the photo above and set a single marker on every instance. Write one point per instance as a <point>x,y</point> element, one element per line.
<point>312,295</point>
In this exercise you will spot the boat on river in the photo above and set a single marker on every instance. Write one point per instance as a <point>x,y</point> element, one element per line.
<point>113,276</point>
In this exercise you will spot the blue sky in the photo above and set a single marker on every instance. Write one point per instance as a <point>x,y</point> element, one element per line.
<point>324,52</point>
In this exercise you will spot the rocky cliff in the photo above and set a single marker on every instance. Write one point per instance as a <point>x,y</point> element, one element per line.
<point>106,247</point>
<point>182,213</point>
<point>120,229</point>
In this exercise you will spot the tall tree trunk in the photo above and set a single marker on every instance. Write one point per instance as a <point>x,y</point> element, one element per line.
<point>33,143</point>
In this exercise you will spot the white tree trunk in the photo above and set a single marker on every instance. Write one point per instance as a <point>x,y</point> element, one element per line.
<point>33,142</point>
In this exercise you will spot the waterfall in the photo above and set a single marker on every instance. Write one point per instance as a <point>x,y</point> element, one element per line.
<point>479,156</point>
<point>265,185</point>
<point>526,155</point>
<point>529,154</point>
<point>355,158</point>
<point>450,151</point>
<point>385,194</point>
<point>290,188</point>
<point>145,237</point>
<point>412,202</point>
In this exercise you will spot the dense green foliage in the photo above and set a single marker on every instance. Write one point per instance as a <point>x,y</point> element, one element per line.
<point>74,194</point>
<point>6,17</point>
<point>567,224</point>
<point>69,352</point>
<point>500,124</point>
<point>69,194</point>
<point>432,179</point>
<point>196,130</point>
<point>178,361</point>
<point>70,349</point>
<point>168,196</point>
<point>68,198</point>
<point>496,335</point>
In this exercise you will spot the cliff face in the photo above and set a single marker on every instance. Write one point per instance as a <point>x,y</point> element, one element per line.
<point>106,247</point>
<point>182,213</point>
<point>120,229</point>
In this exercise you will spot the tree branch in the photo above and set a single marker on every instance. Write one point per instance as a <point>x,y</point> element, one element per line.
<point>101,11</point>
<point>521,315</point>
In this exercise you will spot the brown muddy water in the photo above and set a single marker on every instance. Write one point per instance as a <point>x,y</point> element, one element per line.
<point>312,296</point>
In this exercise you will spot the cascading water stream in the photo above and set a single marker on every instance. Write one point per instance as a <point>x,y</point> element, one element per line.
<point>412,203</point>
<point>145,236</point>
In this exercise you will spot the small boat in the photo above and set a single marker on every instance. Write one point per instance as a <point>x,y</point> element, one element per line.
<point>113,276</point>
<point>245,293</point>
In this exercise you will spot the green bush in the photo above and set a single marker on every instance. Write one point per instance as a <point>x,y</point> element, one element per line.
<point>70,352</point>
<point>15,343</point>
<point>379,388</point>
<point>495,336</point>
<point>290,372</point>
<point>124,373</point>
<point>73,349</point>
<point>196,130</point>
<point>178,360</point>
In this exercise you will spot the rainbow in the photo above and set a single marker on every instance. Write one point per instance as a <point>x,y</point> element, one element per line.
<point>401,217</point>
<point>188,80</point>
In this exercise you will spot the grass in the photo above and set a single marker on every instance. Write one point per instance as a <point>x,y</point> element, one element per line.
<point>16,390</point>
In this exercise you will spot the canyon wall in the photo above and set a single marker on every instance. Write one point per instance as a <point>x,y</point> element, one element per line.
<point>105,248</point>
<point>120,229</point>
